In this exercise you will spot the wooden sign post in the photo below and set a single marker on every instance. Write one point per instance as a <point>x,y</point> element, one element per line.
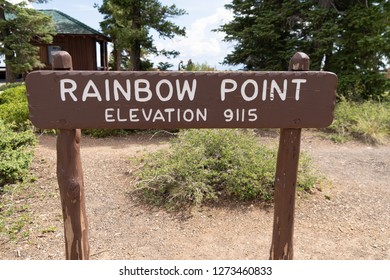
<point>71,182</point>
<point>286,181</point>
<point>73,100</point>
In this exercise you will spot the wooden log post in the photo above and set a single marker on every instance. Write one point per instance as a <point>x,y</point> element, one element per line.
<point>71,182</point>
<point>286,181</point>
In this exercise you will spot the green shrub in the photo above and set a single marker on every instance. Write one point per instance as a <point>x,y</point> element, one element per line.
<point>15,153</point>
<point>366,85</point>
<point>10,85</point>
<point>102,133</point>
<point>368,121</point>
<point>14,106</point>
<point>204,165</point>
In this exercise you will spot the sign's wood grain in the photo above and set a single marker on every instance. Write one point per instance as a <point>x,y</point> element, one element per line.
<point>143,100</point>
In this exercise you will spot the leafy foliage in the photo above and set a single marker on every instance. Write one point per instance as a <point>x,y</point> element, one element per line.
<point>14,107</point>
<point>18,37</point>
<point>261,32</point>
<point>102,133</point>
<point>350,38</point>
<point>129,23</point>
<point>369,121</point>
<point>204,165</point>
<point>16,136</point>
<point>15,153</point>
<point>196,66</point>
<point>164,66</point>
<point>9,85</point>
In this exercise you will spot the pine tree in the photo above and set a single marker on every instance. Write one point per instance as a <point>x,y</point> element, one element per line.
<point>350,38</point>
<point>129,24</point>
<point>265,33</point>
<point>18,37</point>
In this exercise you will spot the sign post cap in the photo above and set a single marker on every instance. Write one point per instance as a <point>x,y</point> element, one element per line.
<point>62,61</point>
<point>299,62</point>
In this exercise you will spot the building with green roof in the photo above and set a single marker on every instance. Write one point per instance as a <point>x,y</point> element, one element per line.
<point>87,46</point>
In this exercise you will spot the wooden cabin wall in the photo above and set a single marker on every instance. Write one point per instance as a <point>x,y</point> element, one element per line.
<point>81,48</point>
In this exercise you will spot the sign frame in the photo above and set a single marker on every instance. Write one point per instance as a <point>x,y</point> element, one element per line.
<point>171,100</point>
<point>69,169</point>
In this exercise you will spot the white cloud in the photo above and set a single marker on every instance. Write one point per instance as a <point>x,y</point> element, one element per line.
<point>201,44</point>
<point>28,4</point>
<point>85,8</point>
<point>201,40</point>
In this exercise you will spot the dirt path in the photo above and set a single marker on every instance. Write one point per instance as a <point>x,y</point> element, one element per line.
<point>348,219</point>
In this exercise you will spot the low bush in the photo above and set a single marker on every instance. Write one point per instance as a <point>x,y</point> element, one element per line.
<point>15,153</point>
<point>10,85</point>
<point>14,106</point>
<point>102,133</point>
<point>205,165</point>
<point>368,121</point>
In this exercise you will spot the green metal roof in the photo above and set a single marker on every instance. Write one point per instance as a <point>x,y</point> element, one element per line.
<point>66,24</point>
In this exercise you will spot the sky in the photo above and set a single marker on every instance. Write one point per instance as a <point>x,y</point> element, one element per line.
<point>201,45</point>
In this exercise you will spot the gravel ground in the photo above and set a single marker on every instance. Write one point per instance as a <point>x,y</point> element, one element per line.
<point>348,219</point>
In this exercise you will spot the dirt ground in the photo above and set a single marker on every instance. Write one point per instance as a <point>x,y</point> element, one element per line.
<point>348,219</point>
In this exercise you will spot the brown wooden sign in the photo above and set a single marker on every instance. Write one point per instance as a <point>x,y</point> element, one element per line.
<point>70,100</point>
<point>143,100</point>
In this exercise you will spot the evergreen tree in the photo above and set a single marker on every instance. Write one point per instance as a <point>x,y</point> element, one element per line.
<point>129,24</point>
<point>350,38</point>
<point>265,32</point>
<point>18,37</point>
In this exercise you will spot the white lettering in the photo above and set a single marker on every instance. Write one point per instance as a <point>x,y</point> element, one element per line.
<point>137,115</point>
<point>275,86</point>
<point>199,115</point>
<point>240,115</point>
<point>107,116</point>
<point>225,90</point>
<point>189,118</point>
<point>170,90</point>
<point>69,90</point>
<point>95,93</point>
<point>118,87</point>
<point>146,89</point>
<point>252,114</point>
<point>107,86</point>
<point>147,117</point>
<point>265,84</point>
<point>118,114</point>
<point>228,114</point>
<point>158,116</point>
<point>298,88</point>
<point>133,115</point>
<point>186,89</point>
<point>169,111</point>
<point>255,90</point>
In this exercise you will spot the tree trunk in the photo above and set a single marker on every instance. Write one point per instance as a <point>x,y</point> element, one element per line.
<point>326,3</point>
<point>135,57</point>
<point>10,77</point>
<point>135,48</point>
<point>117,58</point>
